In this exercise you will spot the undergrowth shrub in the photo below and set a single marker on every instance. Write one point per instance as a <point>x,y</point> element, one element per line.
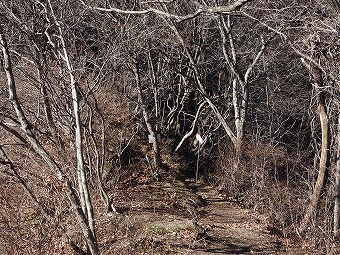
<point>267,178</point>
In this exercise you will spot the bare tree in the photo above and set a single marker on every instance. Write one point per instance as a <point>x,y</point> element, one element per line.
<point>337,186</point>
<point>324,157</point>
<point>39,149</point>
<point>240,82</point>
<point>150,127</point>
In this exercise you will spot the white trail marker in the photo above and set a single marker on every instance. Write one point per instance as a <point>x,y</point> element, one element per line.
<point>200,143</point>
<point>199,138</point>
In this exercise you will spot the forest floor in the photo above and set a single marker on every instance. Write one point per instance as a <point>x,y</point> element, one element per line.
<point>187,217</point>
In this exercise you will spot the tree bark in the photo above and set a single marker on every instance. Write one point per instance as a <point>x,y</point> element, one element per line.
<point>337,184</point>
<point>151,130</point>
<point>42,74</point>
<point>322,166</point>
<point>99,154</point>
<point>239,81</point>
<point>61,50</point>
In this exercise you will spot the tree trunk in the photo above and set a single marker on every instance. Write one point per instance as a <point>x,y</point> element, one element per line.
<point>337,184</point>
<point>151,130</point>
<point>62,52</point>
<point>42,74</point>
<point>322,167</point>
<point>239,81</point>
<point>99,152</point>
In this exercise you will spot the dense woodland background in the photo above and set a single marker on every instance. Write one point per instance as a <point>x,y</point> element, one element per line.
<point>85,82</point>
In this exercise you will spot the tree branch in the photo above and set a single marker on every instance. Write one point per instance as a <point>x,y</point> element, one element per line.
<point>192,126</point>
<point>201,9</point>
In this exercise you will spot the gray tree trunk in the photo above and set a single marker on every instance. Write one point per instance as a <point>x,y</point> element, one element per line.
<point>62,52</point>
<point>151,130</point>
<point>322,169</point>
<point>42,74</point>
<point>337,184</point>
<point>240,86</point>
<point>317,75</point>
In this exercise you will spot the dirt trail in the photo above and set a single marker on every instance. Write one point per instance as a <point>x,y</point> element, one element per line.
<point>233,230</point>
<point>168,218</point>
